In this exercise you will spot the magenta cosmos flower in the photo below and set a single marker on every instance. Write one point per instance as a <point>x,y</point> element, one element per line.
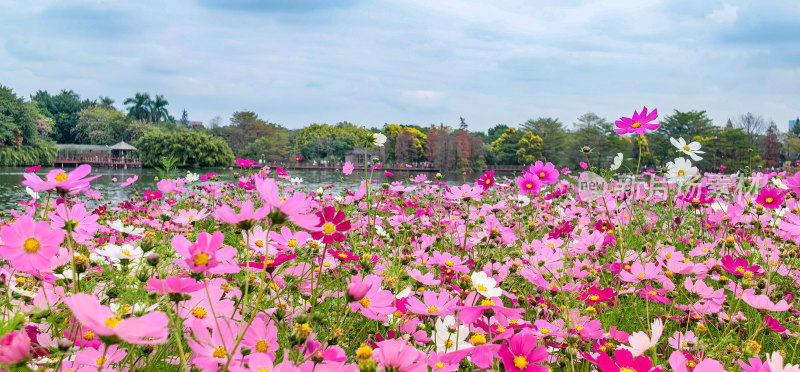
<point>14,347</point>
<point>332,224</point>
<point>201,255</point>
<point>740,266</point>
<point>638,123</point>
<point>528,183</point>
<point>547,173</point>
<point>149,329</point>
<point>486,180</point>
<point>624,362</point>
<point>29,245</point>
<point>61,181</point>
<point>771,197</point>
<point>521,353</point>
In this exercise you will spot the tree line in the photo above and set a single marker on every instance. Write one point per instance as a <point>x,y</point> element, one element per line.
<point>30,128</point>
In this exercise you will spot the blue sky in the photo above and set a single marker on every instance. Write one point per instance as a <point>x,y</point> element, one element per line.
<point>413,61</point>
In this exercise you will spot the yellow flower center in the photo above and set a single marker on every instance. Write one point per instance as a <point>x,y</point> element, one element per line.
<point>488,182</point>
<point>594,297</point>
<point>481,287</point>
<point>520,362</point>
<point>364,302</point>
<point>687,148</point>
<point>640,276</point>
<point>545,331</point>
<point>199,312</point>
<point>439,365</point>
<point>487,303</point>
<point>739,269</point>
<point>432,309</point>
<point>262,370</point>
<point>292,243</point>
<point>653,293</point>
<point>328,228</point>
<point>259,243</point>
<point>478,339</point>
<point>681,173</point>
<point>101,360</point>
<point>578,328</point>
<point>769,200</point>
<point>636,125</point>
<point>448,344</point>
<point>219,352</point>
<point>449,263</point>
<point>88,335</point>
<point>542,175</point>
<point>626,370</point>
<point>31,245</point>
<point>61,177</point>
<point>261,346</point>
<point>201,259</point>
<point>112,321</point>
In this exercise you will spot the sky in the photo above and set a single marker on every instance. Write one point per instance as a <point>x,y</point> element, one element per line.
<point>412,61</point>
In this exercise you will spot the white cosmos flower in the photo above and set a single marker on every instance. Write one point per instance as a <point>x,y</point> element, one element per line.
<point>130,230</point>
<point>448,336</point>
<point>617,161</point>
<point>640,342</point>
<point>485,285</point>
<point>117,253</point>
<point>33,194</point>
<point>191,177</point>
<point>378,139</point>
<point>779,183</point>
<point>680,171</point>
<point>691,149</point>
<point>296,180</point>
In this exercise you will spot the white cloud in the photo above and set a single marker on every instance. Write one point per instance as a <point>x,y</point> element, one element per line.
<point>727,14</point>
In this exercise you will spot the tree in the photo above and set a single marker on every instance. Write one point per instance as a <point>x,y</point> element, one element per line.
<point>215,123</point>
<point>271,148</point>
<point>552,132</point>
<point>184,118</point>
<point>106,102</point>
<point>324,141</point>
<point>139,106</point>
<point>685,124</point>
<point>406,147</point>
<point>495,132</point>
<point>530,148</point>
<point>98,125</point>
<point>752,125</point>
<point>17,119</point>
<point>190,148</point>
<point>506,147</point>
<point>441,147</point>
<point>158,109</point>
<point>771,146</point>
<point>597,134</point>
<point>589,120</point>
<point>63,109</point>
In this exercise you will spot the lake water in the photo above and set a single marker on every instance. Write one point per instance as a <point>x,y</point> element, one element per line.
<point>12,191</point>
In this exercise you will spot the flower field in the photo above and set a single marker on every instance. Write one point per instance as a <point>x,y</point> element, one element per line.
<point>553,269</point>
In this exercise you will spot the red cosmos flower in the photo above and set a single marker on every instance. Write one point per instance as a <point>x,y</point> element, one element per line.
<point>771,197</point>
<point>388,174</point>
<point>343,256</point>
<point>332,224</point>
<point>595,295</point>
<point>740,266</point>
<point>297,158</point>
<point>282,172</point>
<point>486,181</point>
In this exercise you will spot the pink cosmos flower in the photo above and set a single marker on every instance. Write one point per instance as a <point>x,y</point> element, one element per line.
<point>83,223</point>
<point>449,262</point>
<point>173,284</point>
<point>149,329</point>
<point>333,223</point>
<point>99,358</point>
<point>166,186</point>
<point>755,365</point>
<point>773,324</point>
<point>14,347</point>
<point>348,168</point>
<point>639,272</point>
<point>638,123</point>
<point>188,216</point>
<point>262,336</point>
<point>213,348</point>
<point>762,302</point>
<point>129,181</point>
<point>583,165</point>
<point>427,279</point>
<point>435,304</point>
<point>465,191</point>
<point>287,239</point>
<point>200,256</point>
<point>246,217</point>
<point>29,245</point>
<point>528,183</point>
<point>293,207</point>
<point>624,361</point>
<point>678,363</point>
<point>547,173</point>
<point>93,194</point>
<point>61,181</point>
<point>398,355</point>
<point>521,353</point>
<point>771,197</point>
<point>367,297</point>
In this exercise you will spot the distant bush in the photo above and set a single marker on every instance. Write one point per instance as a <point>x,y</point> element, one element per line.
<point>38,153</point>
<point>192,149</point>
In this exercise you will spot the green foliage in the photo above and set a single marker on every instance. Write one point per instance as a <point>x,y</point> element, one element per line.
<point>167,169</point>
<point>505,148</point>
<point>63,109</point>
<point>411,146</point>
<point>323,141</point>
<point>103,126</point>
<point>40,152</point>
<point>139,106</point>
<point>598,134</point>
<point>530,148</point>
<point>247,128</point>
<point>552,132</point>
<point>17,119</point>
<point>729,147</point>
<point>191,149</point>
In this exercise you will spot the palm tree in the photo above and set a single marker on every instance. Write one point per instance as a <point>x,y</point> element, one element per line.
<point>141,106</point>
<point>158,108</point>
<point>107,102</point>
